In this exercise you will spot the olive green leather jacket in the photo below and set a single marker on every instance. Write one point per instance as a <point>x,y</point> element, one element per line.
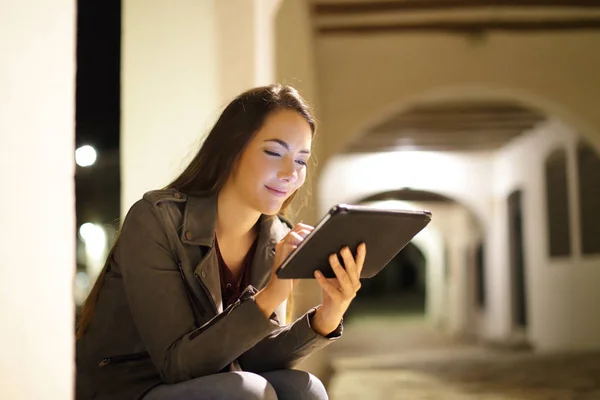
<point>159,316</point>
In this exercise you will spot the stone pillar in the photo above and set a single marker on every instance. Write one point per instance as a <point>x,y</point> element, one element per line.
<point>37,217</point>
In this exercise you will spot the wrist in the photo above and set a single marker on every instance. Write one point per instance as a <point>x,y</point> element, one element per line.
<point>324,322</point>
<point>267,302</point>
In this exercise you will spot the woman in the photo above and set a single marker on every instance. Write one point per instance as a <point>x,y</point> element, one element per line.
<point>188,305</point>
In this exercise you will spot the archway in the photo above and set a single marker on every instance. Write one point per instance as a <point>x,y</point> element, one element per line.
<point>400,288</point>
<point>481,179</point>
<point>434,276</point>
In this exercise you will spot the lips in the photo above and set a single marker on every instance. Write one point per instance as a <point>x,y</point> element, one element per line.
<point>277,192</point>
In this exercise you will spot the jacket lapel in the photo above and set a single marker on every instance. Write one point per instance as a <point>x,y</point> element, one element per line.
<point>207,271</point>
<point>199,226</point>
<point>272,230</point>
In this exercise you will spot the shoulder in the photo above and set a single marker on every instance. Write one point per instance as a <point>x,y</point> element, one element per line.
<point>152,203</point>
<point>155,197</point>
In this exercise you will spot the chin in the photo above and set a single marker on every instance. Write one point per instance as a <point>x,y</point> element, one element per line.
<point>271,209</point>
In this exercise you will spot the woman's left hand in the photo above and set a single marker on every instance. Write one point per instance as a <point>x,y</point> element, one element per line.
<point>338,292</point>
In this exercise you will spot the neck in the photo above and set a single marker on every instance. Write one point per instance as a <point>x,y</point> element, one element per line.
<point>235,220</point>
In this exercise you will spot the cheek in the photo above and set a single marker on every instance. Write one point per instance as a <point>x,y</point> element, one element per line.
<point>256,169</point>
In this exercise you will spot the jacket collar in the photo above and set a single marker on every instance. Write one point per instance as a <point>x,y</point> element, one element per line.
<point>200,223</point>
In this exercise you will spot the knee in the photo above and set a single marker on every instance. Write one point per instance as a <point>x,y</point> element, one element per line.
<point>315,390</point>
<point>300,385</point>
<point>255,387</point>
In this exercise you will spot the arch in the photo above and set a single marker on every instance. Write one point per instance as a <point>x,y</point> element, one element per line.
<point>474,93</point>
<point>450,93</point>
<point>408,194</point>
<point>448,243</point>
<point>419,171</point>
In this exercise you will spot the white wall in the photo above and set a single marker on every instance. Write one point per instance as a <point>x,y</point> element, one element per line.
<point>37,217</point>
<point>170,90</point>
<point>561,292</point>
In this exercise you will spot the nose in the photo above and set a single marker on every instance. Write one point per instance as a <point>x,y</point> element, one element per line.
<point>288,172</point>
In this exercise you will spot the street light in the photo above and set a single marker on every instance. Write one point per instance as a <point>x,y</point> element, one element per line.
<point>85,156</point>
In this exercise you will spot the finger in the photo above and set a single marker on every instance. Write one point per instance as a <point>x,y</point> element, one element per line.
<point>327,286</point>
<point>341,275</point>
<point>351,269</point>
<point>304,233</point>
<point>293,239</point>
<point>361,255</point>
<point>302,226</point>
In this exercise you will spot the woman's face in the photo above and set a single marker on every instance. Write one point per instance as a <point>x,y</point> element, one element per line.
<point>273,165</point>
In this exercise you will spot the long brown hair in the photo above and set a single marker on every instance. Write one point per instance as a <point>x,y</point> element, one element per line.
<point>208,172</point>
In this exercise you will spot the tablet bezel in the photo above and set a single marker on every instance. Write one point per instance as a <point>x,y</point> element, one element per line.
<point>345,208</point>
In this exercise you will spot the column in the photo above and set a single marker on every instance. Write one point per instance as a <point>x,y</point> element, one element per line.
<point>37,213</point>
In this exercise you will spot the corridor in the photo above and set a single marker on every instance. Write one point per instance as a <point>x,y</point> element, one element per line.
<point>397,357</point>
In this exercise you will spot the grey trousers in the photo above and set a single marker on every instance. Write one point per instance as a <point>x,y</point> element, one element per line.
<point>285,384</point>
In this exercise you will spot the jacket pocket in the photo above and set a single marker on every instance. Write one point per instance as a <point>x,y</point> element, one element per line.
<point>123,358</point>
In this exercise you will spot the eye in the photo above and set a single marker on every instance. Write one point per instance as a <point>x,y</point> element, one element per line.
<point>272,153</point>
<point>301,162</point>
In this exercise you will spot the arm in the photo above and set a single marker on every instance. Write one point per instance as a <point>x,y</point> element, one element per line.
<point>318,327</point>
<point>288,345</point>
<point>161,310</point>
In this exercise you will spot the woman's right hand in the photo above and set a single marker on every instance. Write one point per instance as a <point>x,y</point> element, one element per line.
<point>277,290</point>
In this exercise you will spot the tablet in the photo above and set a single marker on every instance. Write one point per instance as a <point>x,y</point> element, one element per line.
<point>384,231</point>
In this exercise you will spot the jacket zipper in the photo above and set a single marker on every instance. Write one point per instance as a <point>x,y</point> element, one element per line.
<point>124,358</point>
<point>189,291</point>
<point>247,293</point>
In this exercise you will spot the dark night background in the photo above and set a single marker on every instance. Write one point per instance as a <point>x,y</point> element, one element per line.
<point>97,112</point>
<point>98,74</point>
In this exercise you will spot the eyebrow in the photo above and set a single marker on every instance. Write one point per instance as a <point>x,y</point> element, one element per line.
<point>287,146</point>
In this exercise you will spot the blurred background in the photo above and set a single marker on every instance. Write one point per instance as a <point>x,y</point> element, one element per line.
<point>486,112</point>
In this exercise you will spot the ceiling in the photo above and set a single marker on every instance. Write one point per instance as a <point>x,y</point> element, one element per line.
<point>455,125</point>
<point>449,126</point>
<point>360,17</point>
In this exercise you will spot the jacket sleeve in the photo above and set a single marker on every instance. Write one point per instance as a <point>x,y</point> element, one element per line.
<point>161,310</point>
<point>287,346</point>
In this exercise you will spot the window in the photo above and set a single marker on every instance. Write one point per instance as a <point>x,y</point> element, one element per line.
<point>480,276</point>
<point>557,201</point>
<point>588,169</point>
